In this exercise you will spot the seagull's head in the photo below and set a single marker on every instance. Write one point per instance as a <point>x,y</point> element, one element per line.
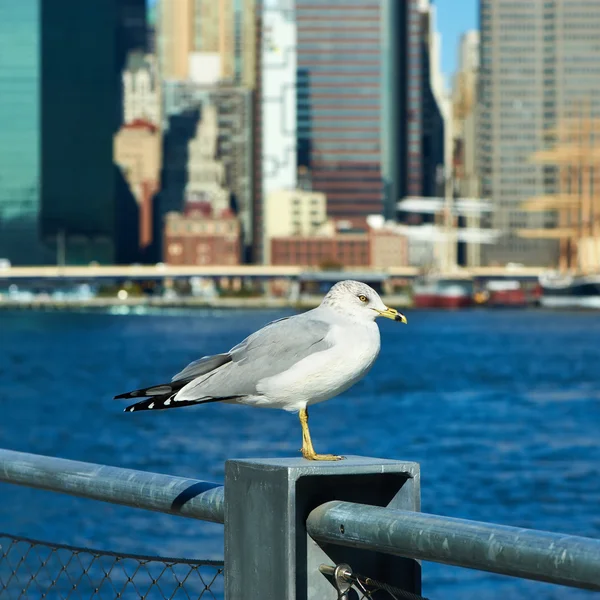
<point>360,301</point>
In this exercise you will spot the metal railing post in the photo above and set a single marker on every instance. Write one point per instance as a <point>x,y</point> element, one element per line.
<point>268,553</point>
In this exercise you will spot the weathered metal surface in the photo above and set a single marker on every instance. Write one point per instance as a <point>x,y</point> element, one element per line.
<point>267,551</point>
<point>526,553</point>
<point>152,491</point>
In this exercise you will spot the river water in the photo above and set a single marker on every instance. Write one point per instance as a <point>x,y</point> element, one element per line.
<point>500,408</point>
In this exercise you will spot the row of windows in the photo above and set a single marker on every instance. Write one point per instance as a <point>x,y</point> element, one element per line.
<point>18,82</point>
<point>355,79</point>
<point>527,59</point>
<point>571,76</point>
<point>312,134</point>
<point>351,45</point>
<point>346,145</point>
<point>517,49</point>
<point>333,34</point>
<point>341,20</point>
<point>202,227</point>
<point>342,11</point>
<point>339,112</point>
<point>306,58</point>
<point>518,26</point>
<point>305,127</point>
<point>336,157</point>
<point>588,24</point>
<point>344,67</point>
<point>341,101</point>
<point>341,90</point>
<point>582,38</point>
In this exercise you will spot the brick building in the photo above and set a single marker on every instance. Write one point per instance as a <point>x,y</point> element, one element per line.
<point>380,248</point>
<point>198,237</point>
<point>344,250</point>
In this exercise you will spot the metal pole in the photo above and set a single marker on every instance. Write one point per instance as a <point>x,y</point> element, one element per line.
<point>555,558</point>
<point>152,491</point>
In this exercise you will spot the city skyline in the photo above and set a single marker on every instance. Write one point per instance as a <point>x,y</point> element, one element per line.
<point>454,18</point>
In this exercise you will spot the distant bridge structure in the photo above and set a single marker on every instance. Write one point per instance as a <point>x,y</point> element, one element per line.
<point>160,272</point>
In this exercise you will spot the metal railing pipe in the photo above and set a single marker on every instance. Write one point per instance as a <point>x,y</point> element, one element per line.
<point>555,558</point>
<point>152,491</point>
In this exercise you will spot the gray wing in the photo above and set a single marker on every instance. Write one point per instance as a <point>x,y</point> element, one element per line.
<point>271,350</point>
<point>206,364</point>
<point>202,366</point>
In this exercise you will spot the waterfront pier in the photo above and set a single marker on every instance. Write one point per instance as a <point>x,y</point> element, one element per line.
<point>293,530</point>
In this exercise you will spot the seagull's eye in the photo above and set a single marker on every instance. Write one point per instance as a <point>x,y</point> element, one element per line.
<point>363,298</point>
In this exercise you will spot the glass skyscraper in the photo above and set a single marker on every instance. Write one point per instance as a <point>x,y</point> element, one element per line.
<point>59,90</point>
<point>20,133</point>
<point>359,103</point>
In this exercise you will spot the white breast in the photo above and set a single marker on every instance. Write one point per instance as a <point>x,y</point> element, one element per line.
<point>326,374</point>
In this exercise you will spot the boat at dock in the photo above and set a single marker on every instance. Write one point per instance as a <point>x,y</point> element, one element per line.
<point>570,291</point>
<point>506,293</point>
<point>439,291</point>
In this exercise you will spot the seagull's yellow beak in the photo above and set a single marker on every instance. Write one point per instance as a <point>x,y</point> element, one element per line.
<point>392,313</point>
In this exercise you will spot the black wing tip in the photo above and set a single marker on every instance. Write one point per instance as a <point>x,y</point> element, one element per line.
<point>167,401</point>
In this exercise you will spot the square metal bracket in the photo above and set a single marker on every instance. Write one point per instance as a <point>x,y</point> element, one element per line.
<point>269,555</point>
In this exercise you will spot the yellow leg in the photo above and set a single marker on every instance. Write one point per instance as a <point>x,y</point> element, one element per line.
<point>307,447</point>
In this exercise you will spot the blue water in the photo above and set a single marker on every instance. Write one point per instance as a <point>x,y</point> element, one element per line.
<point>502,410</point>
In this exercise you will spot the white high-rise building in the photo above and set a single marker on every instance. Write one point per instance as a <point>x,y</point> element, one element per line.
<point>206,173</point>
<point>276,133</point>
<point>278,98</point>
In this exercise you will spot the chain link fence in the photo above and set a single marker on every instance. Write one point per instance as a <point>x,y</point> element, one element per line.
<point>33,569</point>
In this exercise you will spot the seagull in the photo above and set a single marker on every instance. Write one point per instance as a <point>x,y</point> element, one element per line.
<point>290,363</point>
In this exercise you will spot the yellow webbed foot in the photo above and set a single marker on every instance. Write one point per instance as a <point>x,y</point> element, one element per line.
<point>314,456</point>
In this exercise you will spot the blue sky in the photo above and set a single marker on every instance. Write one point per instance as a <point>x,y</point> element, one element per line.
<point>454,17</point>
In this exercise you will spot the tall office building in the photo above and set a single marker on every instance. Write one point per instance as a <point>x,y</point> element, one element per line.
<point>223,30</point>
<point>367,123</point>
<point>361,103</point>
<point>540,61</point>
<point>426,138</point>
<point>175,34</point>
<point>214,33</point>
<point>226,28</point>
<point>59,81</point>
